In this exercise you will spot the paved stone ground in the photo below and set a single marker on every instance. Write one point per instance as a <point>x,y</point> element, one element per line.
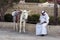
<point>8,34</point>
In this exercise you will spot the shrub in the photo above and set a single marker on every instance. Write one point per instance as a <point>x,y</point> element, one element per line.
<point>51,20</point>
<point>37,1</point>
<point>42,1</point>
<point>59,20</point>
<point>33,18</point>
<point>8,18</point>
<point>16,1</point>
<point>32,1</point>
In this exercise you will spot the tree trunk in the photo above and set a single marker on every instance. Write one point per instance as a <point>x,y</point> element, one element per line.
<point>55,12</point>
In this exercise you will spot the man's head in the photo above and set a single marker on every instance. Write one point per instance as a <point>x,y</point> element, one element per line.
<point>43,13</point>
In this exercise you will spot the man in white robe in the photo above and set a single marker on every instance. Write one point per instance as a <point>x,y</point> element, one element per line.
<point>23,19</point>
<point>41,27</point>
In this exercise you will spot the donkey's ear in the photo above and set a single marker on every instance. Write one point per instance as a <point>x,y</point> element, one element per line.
<point>22,10</point>
<point>29,10</point>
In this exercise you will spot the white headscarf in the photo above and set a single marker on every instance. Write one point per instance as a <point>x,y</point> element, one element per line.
<point>45,13</point>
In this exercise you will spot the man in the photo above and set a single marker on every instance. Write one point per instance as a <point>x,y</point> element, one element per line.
<point>41,27</point>
<point>23,19</point>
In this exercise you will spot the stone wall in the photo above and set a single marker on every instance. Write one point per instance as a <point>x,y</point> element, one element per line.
<point>31,28</point>
<point>34,7</point>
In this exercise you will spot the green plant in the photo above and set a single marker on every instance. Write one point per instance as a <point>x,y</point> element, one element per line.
<point>33,18</point>
<point>16,1</point>
<point>51,20</point>
<point>59,20</point>
<point>42,1</point>
<point>32,1</point>
<point>8,18</point>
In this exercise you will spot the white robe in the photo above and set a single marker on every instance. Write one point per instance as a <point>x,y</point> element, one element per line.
<point>41,28</point>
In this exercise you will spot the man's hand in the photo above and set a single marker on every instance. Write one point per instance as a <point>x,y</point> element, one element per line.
<point>44,22</point>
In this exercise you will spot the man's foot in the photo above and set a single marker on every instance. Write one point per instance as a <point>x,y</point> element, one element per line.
<point>42,35</point>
